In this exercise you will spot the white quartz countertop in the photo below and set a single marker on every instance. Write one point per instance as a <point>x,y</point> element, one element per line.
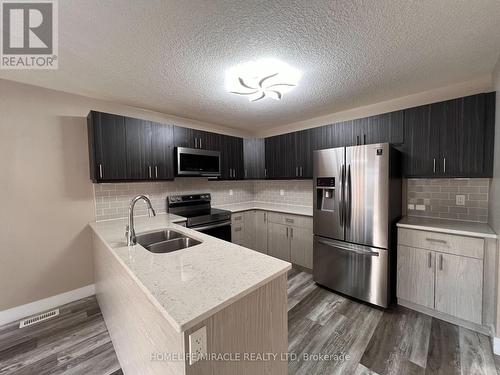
<point>192,284</point>
<point>464,228</point>
<point>266,206</point>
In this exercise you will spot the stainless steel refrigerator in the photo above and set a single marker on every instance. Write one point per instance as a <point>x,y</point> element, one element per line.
<point>357,201</point>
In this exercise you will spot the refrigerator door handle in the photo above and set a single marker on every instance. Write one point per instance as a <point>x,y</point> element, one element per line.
<point>345,247</point>
<point>341,200</point>
<point>348,198</point>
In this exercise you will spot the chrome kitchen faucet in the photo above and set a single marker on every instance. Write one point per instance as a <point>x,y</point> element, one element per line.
<point>130,231</point>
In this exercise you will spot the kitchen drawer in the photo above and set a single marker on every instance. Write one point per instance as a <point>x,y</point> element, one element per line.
<point>291,220</point>
<point>441,242</point>
<point>237,218</point>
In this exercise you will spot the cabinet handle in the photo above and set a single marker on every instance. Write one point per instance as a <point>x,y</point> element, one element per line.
<point>200,142</point>
<point>265,218</point>
<point>149,169</point>
<point>440,262</point>
<point>291,232</point>
<point>265,172</point>
<point>301,175</point>
<point>196,143</point>
<point>435,240</point>
<point>357,140</point>
<point>434,167</point>
<point>286,232</point>
<point>444,165</point>
<point>156,171</point>
<point>430,260</point>
<point>364,139</point>
<point>245,173</point>
<point>100,170</point>
<point>296,171</point>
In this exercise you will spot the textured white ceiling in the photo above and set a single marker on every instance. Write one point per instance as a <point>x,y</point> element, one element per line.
<point>171,56</point>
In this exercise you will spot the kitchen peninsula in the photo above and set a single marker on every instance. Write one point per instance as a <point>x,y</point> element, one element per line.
<point>153,302</point>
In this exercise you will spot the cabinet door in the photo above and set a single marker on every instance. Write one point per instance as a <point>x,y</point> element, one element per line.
<point>303,154</point>
<point>462,137</point>
<point>249,232</point>
<point>162,146</point>
<point>415,275</point>
<point>384,128</point>
<point>206,140</point>
<point>421,147</point>
<point>138,149</point>
<point>109,146</point>
<point>260,241</point>
<point>278,241</point>
<point>237,158</point>
<point>280,160</point>
<point>459,286</point>
<point>301,246</point>
<point>254,158</point>
<point>238,228</point>
<point>183,137</point>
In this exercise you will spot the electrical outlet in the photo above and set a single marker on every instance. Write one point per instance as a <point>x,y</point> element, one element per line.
<point>282,192</point>
<point>460,200</point>
<point>411,206</point>
<point>420,207</point>
<point>230,191</point>
<point>197,345</point>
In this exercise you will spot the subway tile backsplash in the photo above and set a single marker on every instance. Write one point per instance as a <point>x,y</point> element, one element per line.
<point>112,200</point>
<point>438,198</point>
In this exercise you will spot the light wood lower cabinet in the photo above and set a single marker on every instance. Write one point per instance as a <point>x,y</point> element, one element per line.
<point>278,241</point>
<point>416,275</point>
<point>301,245</point>
<point>459,285</point>
<point>260,234</point>
<point>287,237</point>
<point>441,280</point>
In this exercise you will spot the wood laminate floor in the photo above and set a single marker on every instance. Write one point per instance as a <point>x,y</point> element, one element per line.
<point>328,333</point>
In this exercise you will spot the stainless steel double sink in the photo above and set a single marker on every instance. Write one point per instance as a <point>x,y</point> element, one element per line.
<point>165,241</point>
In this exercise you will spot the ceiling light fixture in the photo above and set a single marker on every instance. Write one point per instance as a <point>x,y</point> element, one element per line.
<point>266,78</point>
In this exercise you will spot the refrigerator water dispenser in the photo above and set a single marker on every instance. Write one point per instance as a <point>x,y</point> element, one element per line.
<point>325,190</point>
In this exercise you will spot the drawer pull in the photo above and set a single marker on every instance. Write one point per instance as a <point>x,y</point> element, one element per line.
<point>440,262</point>
<point>289,220</point>
<point>430,260</point>
<point>435,240</point>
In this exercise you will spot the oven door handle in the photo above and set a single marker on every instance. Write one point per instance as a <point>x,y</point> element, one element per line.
<point>223,224</point>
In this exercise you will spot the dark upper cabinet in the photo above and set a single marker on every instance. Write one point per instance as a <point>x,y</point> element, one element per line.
<point>421,145</point>
<point>193,138</point>
<point>384,128</point>
<point>280,156</point>
<point>303,153</point>
<point>162,151</point>
<point>289,156</point>
<point>462,137</point>
<point>232,165</point>
<point>138,149</point>
<point>254,152</point>
<point>107,147</point>
<point>339,134</point>
<point>129,149</point>
<point>450,139</point>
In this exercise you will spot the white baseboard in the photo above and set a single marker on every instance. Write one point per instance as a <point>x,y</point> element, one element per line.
<point>19,312</point>
<point>496,345</point>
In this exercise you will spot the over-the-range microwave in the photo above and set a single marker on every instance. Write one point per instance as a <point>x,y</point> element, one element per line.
<point>196,162</point>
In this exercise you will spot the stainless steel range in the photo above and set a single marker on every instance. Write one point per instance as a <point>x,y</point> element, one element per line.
<point>357,200</point>
<point>200,215</point>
